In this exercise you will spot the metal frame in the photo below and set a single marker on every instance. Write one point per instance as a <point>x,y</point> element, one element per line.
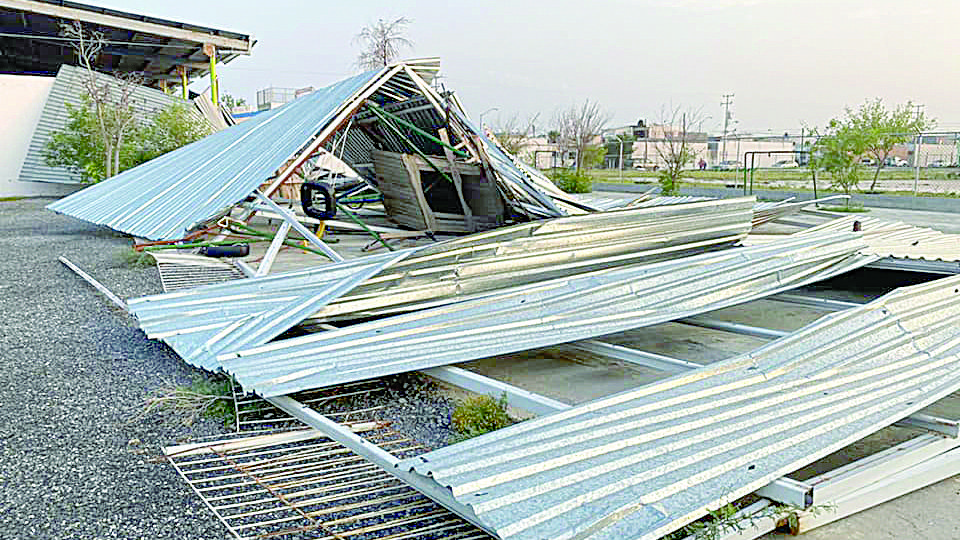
<point>385,460</point>
<point>516,397</point>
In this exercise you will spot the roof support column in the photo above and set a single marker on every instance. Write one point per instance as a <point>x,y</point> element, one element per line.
<point>211,50</point>
<point>183,81</point>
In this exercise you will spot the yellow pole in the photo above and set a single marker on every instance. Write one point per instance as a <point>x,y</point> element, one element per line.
<point>183,81</point>
<point>214,84</point>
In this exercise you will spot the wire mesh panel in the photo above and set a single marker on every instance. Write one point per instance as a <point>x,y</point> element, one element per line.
<point>301,484</point>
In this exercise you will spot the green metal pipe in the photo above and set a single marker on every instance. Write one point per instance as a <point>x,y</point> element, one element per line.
<point>403,137</point>
<point>404,123</point>
<point>363,225</point>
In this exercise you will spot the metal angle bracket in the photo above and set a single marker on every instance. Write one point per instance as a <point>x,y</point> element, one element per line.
<point>378,456</point>
<point>788,491</point>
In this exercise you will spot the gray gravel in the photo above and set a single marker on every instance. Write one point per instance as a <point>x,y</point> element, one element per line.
<point>75,369</point>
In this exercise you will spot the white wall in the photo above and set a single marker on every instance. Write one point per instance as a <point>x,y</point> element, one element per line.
<point>21,100</point>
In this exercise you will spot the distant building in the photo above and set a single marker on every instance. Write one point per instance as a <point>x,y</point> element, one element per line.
<point>274,96</point>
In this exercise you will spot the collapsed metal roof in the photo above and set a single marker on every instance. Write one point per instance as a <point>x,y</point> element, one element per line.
<point>202,323</point>
<point>165,198</point>
<point>642,463</point>
<point>542,314</point>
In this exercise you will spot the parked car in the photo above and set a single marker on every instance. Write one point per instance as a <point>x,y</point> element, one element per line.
<point>868,162</point>
<point>645,164</point>
<point>894,161</point>
<point>786,164</point>
<point>728,165</point>
<point>939,163</point>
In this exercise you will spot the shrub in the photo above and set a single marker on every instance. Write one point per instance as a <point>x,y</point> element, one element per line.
<point>477,415</point>
<point>572,181</point>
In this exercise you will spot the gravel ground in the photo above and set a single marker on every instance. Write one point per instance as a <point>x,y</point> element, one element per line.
<point>75,370</point>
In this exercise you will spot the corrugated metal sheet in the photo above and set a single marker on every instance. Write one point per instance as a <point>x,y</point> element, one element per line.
<point>433,275</point>
<point>642,463</point>
<point>68,88</point>
<point>200,323</point>
<point>166,197</point>
<point>543,314</point>
<point>897,239</point>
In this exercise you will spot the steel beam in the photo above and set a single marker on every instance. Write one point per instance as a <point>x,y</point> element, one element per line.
<point>291,218</point>
<point>735,328</point>
<point>516,397</point>
<point>376,455</point>
<point>935,424</point>
<point>824,303</point>
<point>642,358</point>
<point>788,491</point>
<point>267,261</point>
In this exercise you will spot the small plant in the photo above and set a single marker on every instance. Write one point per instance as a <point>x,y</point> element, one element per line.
<point>572,181</point>
<point>477,415</point>
<point>135,259</point>
<point>669,184</point>
<point>210,397</point>
<point>851,208</point>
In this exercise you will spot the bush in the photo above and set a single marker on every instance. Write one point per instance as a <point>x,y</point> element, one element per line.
<point>669,185</point>
<point>572,181</point>
<point>478,415</point>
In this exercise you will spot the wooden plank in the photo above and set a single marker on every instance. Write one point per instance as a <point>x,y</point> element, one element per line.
<point>457,182</point>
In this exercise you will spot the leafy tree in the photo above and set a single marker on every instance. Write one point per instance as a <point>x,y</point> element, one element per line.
<point>79,147</point>
<point>882,129</point>
<point>230,102</point>
<point>838,153</point>
<point>381,42</point>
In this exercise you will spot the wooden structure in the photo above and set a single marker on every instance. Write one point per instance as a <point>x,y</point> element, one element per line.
<point>416,195</point>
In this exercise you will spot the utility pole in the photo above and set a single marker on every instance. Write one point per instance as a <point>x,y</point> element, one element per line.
<point>916,154</point>
<point>727,101</point>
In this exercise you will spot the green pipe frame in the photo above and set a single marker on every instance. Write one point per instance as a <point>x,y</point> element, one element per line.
<point>428,136</point>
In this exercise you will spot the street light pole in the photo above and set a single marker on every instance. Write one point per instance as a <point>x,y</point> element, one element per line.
<point>620,138</point>
<point>491,109</point>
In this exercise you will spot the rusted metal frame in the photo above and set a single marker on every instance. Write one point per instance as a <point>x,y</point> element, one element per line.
<point>281,498</point>
<point>385,460</point>
<point>343,485</point>
<point>202,498</point>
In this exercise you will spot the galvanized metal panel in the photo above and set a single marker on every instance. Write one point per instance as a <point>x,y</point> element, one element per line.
<point>68,89</point>
<point>200,323</point>
<point>642,463</point>
<point>898,240</point>
<point>542,314</point>
<point>166,197</point>
<point>203,322</point>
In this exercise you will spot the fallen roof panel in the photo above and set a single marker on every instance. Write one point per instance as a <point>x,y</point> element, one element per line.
<point>542,314</point>
<point>206,321</point>
<point>166,197</point>
<point>642,463</point>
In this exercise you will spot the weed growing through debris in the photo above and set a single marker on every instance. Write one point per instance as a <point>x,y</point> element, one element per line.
<point>477,415</point>
<point>135,259</point>
<point>210,397</point>
<point>724,521</point>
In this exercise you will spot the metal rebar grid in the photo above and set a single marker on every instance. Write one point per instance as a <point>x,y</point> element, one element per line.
<point>300,484</point>
<point>344,403</point>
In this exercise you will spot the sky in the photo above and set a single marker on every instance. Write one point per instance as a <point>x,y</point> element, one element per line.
<point>789,63</point>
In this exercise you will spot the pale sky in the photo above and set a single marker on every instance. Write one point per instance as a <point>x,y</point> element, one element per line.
<point>788,62</point>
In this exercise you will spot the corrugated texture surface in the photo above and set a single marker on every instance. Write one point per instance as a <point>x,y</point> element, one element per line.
<point>543,314</point>
<point>428,276</point>
<point>68,88</point>
<point>640,464</point>
<point>166,197</point>
<point>201,323</point>
<point>898,240</point>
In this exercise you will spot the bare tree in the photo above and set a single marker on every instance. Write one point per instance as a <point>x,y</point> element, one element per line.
<point>112,103</point>
<point>675,148</point>
<point>513,132</point>
<point>579,127</point>
<point>381,42</point>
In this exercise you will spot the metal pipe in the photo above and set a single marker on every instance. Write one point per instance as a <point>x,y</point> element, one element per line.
<point>96,284</point>
<point>417,130</point>
<point>363,225</point>
<point>403,137</point>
